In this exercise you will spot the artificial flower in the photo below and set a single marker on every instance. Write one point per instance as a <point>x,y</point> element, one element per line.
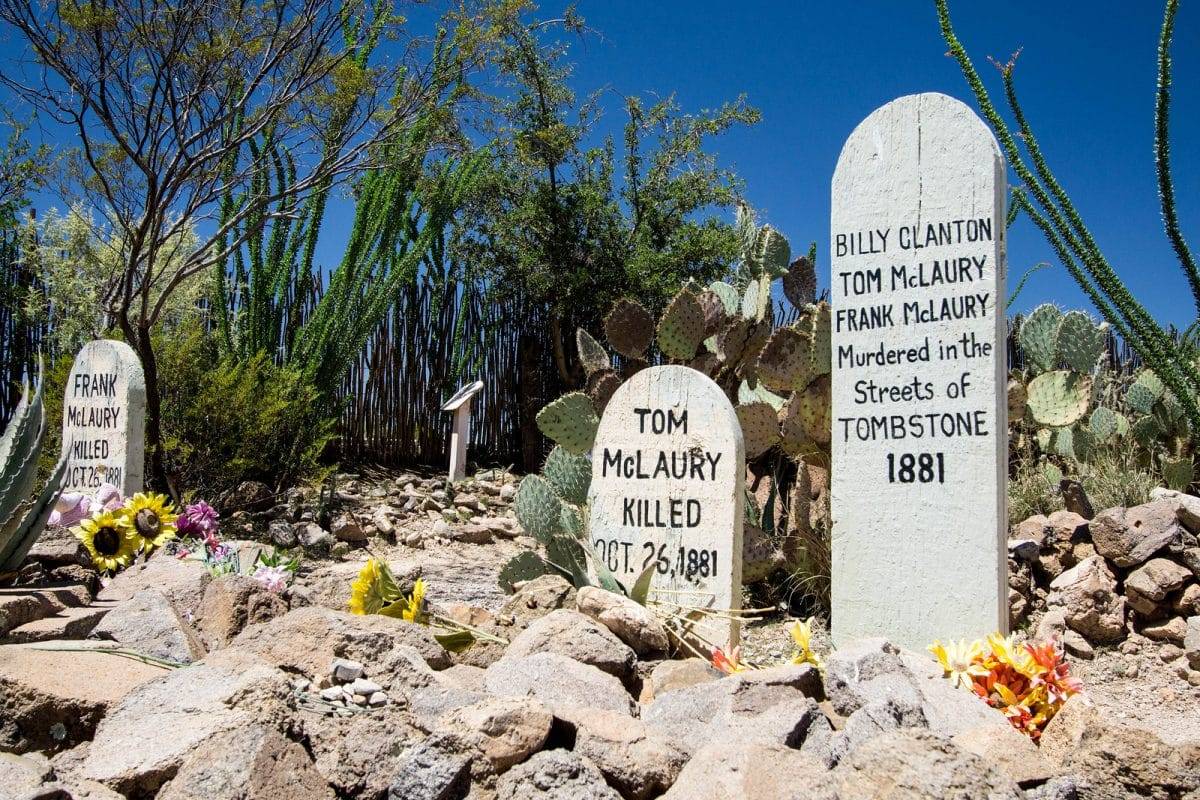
<point>151,518</point>
<point>71,508</point>
<point>373,589</point>
<point>199,520</point>
<point>273,579</point>
<point>108,540</point>
<point>801,632</point>
<point>958,661</point>
<point>729,664</point>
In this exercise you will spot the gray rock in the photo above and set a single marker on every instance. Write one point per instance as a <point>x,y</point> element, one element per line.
<point>282,533</point>
<point>149,623</point>
<point>1129,536</point>
<point>554,775</point>
<point>442,529</point>
<point>1191,642</point>
<point>680,673</point>
<point>917,764</point>
<point>312,536</point>
<point>365,686</point>
<point>691,716</point>
<point>346,670</point>
<point>559,682</point>
<point>146,738</point>
<point>576,636</point>
<point>854,664</point>
<point>346,529</point>
<point>438,768</point>
<point>358,753</point>
<point>636,762</point>
<point>736,770</point>
<point>873,719</point>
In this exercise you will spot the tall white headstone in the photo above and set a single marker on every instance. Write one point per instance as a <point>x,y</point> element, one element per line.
<point>104,418</point>
<point>668,473</point>
<point>919,361</point>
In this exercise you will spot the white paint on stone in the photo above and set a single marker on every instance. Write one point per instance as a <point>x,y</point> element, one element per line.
<point>104,418</point>
<point>668,472</point>
<point>918,274</point>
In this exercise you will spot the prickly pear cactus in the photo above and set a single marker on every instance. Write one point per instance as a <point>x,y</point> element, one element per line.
<point>1080,341</point>
<point>682,328</point>
<point>629,328</point>
<point>538,508</point>
<point>1038,337</point>
<point>569,475</point>
<point>591,353</point>
<point>570,421</point>
<point>800,283</point>
<point>1059,398</point>
<point>760,428</point>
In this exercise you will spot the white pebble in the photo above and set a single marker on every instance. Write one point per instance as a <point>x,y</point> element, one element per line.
<point>365,686</point>
<point>332,693</point>
<point>377,699</point>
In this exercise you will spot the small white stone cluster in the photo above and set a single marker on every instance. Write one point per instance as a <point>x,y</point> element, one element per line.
<point>347,685</point>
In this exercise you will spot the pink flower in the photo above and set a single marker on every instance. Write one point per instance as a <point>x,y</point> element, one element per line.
<point>273,579</point>
<point>198,520</point>
<point>72,508</point>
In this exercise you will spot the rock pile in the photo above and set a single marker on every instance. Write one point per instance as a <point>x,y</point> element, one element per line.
<point>581,703</point>
<point>1126,573</point>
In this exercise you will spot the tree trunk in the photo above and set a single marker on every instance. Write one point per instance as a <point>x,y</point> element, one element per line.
<point>156,461</point>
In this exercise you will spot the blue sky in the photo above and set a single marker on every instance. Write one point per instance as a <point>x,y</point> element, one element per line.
<point>1086,74</point>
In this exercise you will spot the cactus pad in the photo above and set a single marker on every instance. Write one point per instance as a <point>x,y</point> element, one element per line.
<point>785,361</point>
<point>1059,398</point>
<point>681,329</point>
<point>524,566</point>
<point>592,354</point>
<point>731,342</point>
<point>760,428</point>
<point>822,339</point>
<point>792,438</point>
<point>1038,337</point>
<point>729,297</point>
<point>1144,392</point>
<point>747,368</point>
<point>800,283</point>
<point>759,394</point>
<point>538,508</point>
<point>1080,343</point>
<point>569,475</point>
<point>756,301</point>
<point>773,253</point>
<point>1103,424</point>
<point>715,315</point>
<point>1146,431</point>
<point>1178,472</point>
<point>601,386</point>
<point>629,328</point>
<point>816,409</point>
<point>707,363</point>
<point>1063,443</point>
<point>570,421</point>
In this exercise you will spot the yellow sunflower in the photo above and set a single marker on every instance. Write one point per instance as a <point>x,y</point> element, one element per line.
<point>373,589</point>
<point>108,540</point>
<point>152,520</point>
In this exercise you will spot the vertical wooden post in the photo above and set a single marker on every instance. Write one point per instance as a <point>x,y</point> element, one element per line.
<point>460,433</point>
<point>459,436</point>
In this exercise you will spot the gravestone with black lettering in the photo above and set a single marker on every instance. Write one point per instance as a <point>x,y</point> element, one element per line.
<point>668,471</point>
<point>104,418</point>
<point>919,361</point>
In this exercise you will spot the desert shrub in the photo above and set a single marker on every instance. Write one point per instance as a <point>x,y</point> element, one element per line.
<point>227,420</point>
<point>1112,478</point>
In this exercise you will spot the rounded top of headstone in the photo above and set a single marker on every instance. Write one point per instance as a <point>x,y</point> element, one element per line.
<point>678,385</point>
<point>930,108</point>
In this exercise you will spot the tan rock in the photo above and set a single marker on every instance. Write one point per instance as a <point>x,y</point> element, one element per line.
<point>1119,759</point>
<point>676,674</point>
<point>506,729</point>
<point>150,623</point>
<point>1188,601</point>
<point>632,622</point>
<point>1129,536</point>
<point>182,581</point>
<point>738,770</point>
<point>1172,630</point>
<point>357,755</point>
<point>230,603</point>
<point>574,635</point>
<point>636,762</point>
<point>249,763</point>
<point>1157,578</point>
<point>1087,595</point>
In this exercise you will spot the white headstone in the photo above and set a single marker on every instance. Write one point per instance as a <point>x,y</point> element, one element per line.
<point>668,473</point>
<point>920,437</point>
<point>104,418</point>
<point>460,433</point>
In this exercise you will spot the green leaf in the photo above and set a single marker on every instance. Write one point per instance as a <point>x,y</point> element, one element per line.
<point>455,641</point>
<point>641,587</point>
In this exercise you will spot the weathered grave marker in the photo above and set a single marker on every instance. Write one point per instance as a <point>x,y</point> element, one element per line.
<point>919,408</point>
<point>460,433</point>
<point>104,418</point>
<point>668,471</point>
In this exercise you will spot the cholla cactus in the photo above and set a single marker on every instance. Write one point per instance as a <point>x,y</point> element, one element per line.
<point>22,519</point>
